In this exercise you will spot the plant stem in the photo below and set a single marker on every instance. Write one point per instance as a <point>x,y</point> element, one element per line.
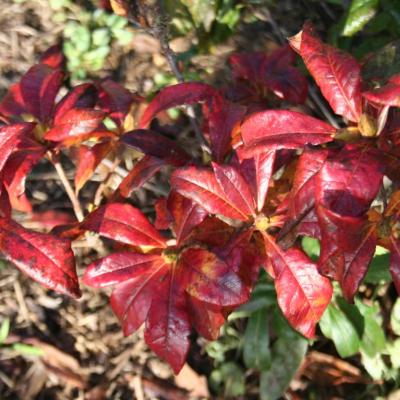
<point>68,188</point>
<point>160,31</point>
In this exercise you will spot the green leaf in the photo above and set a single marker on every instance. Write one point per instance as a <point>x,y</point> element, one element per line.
<point>100,37</point>
<point>231,377</point>
<point>375,366</point>
<point>287,355</point>
<point>373,340</point>
<point>4,330</point>
<point>335,325</point>
<point>395,318</point>
<point>393,349</point>
<point>359,14</point>
<point>256,352</point>
<point>203,12</point>
<point>311,247</point>
<point>28,350</point>
<point>378,270</point>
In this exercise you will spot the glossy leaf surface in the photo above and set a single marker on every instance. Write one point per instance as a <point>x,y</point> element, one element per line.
<point>336,73</point>
<point>125,224</point>
<point>45,258</point>
<point>303,294</point>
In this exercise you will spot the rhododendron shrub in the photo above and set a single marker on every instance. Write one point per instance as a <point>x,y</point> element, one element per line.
<point>262,176</point>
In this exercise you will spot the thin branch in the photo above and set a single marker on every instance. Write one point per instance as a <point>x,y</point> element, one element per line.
<point>68,188</point>
<point>160,31</point>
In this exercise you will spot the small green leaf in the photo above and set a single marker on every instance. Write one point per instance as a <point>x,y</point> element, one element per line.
<point>378,270</point>
<point>4,330</point>
<point>203,12</point>
<point>287,355</point>
<point>28,350</point>
<point>359,14</point>
<point>375,366</point>
<point>256,352</point>
<point>335,325</point>
<point>393,349</point>
<point>395,318</point>
<point>311,247</point>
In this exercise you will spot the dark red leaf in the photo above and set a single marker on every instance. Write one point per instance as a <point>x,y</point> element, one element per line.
<point>125,224</point>
<point>81,96</point>
<point>201,186</point>
<point>177,95</point>
<point>15,172</point>
<point>222,118</point>
<point>206,321</point>
<point>10,137</point>
<point>303,294</point>
<point>349,182</point>
<point>53,57</point>
<point>213,232</point>
<point>5,206</point>
<point>87,161</point>
<point>235,188</point>
<point>39,88</point>
<point>143,170</point>
<point>387,95</point>
<point>115,100</point>
<point>285,129</point>
<point>395,262</point>
<point>45,258</point>
<point>212,280</point>
<point>347,247</point>
<point>77,124</point>
<point>154,144</point>
<point>163,216</point>
<point>186,215</point>
<point>258,171</point>
<point>167,325</point>
<point>12,104</point>
<point>336,73</point>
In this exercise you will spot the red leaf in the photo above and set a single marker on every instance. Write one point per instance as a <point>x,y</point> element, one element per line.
<point>138,277</point>
<point>347,248</point>
<point>207,322</point>
<point>5,206</point>
<point>388,95</point>
<point>395,262</point>
<point>45,258</point>
<point>12,104</point>
<point>154,144</point>
<point>349,182</point>
<point>177,95</point>
<point>53,57</point>
<point>125,224</point>
<point>163,216</point>
<point>223,116</point>
<point>143,170</point>
<point>167,325</point>
<point>283,79</point>
<point>81,96</point>
<point>115,100</point>
<point>39,88</point>
<point>235,188</point>
<point>201,186</point>
<point>76,124</point>
<point>88,160</point>
<point>213,232</point>
<point>258,171</point>
<point>15,172</point>
<point>303,294</point>
<point>120,267</point>
<point>10,137</point>
<point>285,129</point>
<point>212,280</point>
<point>186,215</point>
<point>51,218</point>
<point>336,73</point>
